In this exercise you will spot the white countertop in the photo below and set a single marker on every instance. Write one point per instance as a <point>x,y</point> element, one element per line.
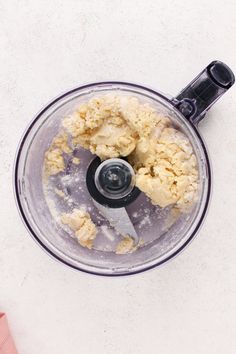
<point>188,306</point>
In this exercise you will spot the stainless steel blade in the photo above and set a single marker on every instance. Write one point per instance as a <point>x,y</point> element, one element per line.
<point>119,219</point>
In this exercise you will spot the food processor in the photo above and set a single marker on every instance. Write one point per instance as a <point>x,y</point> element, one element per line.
<point>106,188</point>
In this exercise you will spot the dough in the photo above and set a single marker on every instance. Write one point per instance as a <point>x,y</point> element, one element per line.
<point>76,161</point>
<point>80,222</point>
<point>117,126</point>
<point>59,192</point>
<point>166,168</point>
<point>100,127</point>
<point>54,161</point>
<point>162,156</point>
<point>125,246</point>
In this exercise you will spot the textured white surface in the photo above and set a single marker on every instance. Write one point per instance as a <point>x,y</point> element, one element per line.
<point>188,305</point>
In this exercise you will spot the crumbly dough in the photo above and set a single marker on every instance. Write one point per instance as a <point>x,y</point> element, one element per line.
<point>125,246</point>
<point>54,161</point>
<point>162,156</point>
<point>80,222</point>
<point>59,192</point>
<point>100,127</point>
<point>166,168</point>
<point>76,161</point>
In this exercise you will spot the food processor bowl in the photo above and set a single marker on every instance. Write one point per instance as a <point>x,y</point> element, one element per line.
<point>162,234</point>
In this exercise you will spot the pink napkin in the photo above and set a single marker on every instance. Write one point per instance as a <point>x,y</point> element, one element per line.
<point>7,345</point>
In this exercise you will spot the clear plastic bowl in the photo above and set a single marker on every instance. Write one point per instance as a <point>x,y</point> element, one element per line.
<point>160,241</point>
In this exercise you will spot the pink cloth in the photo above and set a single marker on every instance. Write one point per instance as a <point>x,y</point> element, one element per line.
<point>7,345</point>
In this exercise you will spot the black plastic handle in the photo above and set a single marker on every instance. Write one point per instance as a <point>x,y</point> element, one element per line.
<point>196,98</point>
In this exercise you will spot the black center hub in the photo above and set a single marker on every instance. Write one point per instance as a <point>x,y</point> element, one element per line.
<point>111,182</point>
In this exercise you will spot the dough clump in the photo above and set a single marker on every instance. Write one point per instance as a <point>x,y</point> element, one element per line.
<point>54,161</point>
<point>126,245</point>
<point>80,222</point>
<point>166,167</point>
<point>161,155</point>
<point>100,126</point>
<point>76,161</point>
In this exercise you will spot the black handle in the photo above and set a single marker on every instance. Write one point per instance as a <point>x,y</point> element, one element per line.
<point>196,98</point>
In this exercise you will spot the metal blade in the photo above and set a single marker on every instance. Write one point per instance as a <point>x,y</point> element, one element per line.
<point>119,219</point>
